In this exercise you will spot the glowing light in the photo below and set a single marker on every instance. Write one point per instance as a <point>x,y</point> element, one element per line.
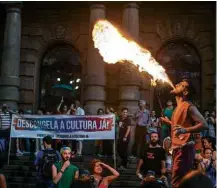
<point>78,80</point>
<point>114,47</point>
<point>77,87</point>
<point>71,82</point>
<point>58,79</point>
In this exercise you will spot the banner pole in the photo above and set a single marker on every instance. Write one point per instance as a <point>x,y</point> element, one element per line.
<point>9,151</point>
<point>114,152</point>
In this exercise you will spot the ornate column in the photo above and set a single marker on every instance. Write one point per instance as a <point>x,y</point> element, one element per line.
<point>9,80</point>
<point>129,94</point>
<point>129,75</point>
<point>94,94</point>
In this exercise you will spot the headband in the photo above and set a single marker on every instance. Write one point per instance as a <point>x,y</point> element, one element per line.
<point>64,149</point>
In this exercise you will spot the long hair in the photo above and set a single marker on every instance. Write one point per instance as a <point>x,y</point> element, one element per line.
<point>92,165</point>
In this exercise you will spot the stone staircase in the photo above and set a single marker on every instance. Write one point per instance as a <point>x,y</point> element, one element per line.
<point>21,172</point>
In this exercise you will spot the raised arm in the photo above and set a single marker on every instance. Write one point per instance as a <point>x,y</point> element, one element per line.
<point>114,172</point>
<point>58,108</point>
<point>57,176</point>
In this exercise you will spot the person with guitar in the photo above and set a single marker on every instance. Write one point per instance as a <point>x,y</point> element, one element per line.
<point>186,120</point>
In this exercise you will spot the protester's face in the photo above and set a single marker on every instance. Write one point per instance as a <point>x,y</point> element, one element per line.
<point>124,113</point>
<point>66,155</point>
<point>154,138</point>
<point>206,144</point>
<point>208,154</point>
<point>153,113</point>
<point>167,144</point>
<point>181,88</point>
<point>197,137</point>
<point>97,168</point>
<point>142,105</point>
<point>40,112</point>
<point>65,109</point>
<point>169,104</point>
<point>77,104</point>
<point>100,112</point>
<point>206,113</point>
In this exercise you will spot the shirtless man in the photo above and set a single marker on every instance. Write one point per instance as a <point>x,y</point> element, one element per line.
<point>186,120</point>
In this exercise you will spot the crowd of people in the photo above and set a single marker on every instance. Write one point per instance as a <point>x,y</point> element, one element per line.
<point>153,146</point>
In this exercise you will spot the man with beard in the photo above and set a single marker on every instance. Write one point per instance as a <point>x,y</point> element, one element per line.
<point>152,157</point>
<point>63,172</point>
<point>186,119</point>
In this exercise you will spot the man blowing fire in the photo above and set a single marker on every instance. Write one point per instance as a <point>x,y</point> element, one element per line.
<point>186,119</point>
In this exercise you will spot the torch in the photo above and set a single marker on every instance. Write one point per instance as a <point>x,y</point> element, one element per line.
<point>161,107</point>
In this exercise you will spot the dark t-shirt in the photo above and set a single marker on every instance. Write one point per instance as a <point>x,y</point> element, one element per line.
<point>152,158</point>
<point>123,126</point>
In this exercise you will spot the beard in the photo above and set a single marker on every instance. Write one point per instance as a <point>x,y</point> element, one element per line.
<point>153,143</point>
<point>66,159</point>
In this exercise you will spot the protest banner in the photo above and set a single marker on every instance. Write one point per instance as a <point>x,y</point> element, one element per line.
<point>63,127</point>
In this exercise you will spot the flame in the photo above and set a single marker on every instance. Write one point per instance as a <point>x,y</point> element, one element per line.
<point>153,82</point>
<point>114,47</point>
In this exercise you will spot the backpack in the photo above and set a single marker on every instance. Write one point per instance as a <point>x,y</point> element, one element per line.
<point>48,159</point>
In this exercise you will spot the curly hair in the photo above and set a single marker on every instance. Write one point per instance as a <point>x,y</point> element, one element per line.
<point>92,164</point>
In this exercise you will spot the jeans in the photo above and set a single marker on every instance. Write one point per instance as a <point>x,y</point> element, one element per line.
<point>122,151</point>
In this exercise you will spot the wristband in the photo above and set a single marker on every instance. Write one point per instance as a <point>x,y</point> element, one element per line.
<point>61,171</point>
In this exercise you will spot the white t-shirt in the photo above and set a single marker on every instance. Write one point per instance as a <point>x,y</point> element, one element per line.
<point>79,112</point>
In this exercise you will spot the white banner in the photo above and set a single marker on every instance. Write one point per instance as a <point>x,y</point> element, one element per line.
<point>64,127</point>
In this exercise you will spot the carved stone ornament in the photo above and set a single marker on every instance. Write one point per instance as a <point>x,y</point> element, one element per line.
<point>60,31</point>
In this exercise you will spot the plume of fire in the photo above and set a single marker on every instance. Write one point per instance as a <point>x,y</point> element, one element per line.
<point>114,47</point>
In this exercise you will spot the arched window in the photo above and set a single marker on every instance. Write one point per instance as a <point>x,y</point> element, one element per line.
<point>60,77</point>
<point>181,61</point>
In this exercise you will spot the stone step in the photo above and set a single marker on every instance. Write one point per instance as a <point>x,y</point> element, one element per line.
<point>21,179</point>
<point>128,177</point>
<point>19,173</point>
<point>32,177</point>
<point>21,185</point>
<point>18,167</point>
<point>126,183</point>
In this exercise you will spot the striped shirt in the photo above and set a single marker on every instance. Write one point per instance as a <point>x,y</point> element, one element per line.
<point>5,119</point>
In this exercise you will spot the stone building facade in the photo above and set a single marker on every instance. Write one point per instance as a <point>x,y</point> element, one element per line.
<point>181,35</point>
